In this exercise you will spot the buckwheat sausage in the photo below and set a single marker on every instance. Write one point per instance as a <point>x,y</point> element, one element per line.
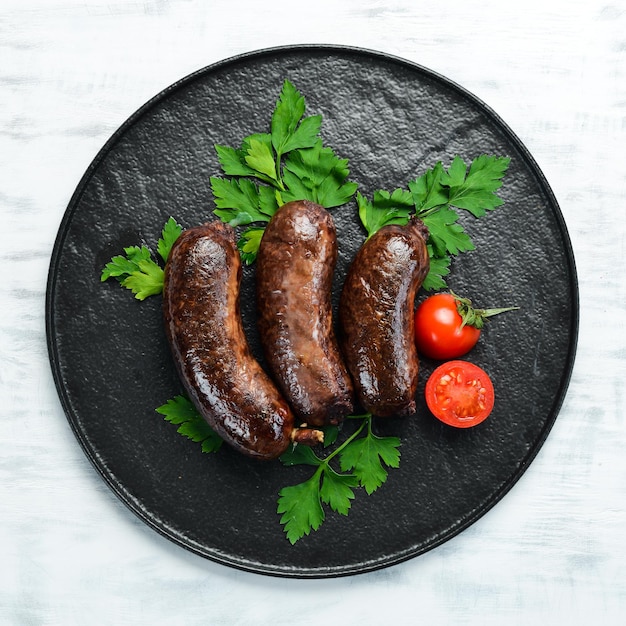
<point>294,275</point>
<point>205,331</point>
<point>376,318</point>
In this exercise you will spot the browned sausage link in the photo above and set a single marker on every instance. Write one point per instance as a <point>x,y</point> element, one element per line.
<point>294,274</point>
<point>376,318</point>
<point>205,331</point>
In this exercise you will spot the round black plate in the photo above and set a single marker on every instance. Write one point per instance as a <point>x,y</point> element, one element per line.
<point>392,119</point>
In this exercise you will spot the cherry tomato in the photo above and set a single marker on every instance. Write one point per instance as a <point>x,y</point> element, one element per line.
<point>460,394</point>
<point>439,329</point>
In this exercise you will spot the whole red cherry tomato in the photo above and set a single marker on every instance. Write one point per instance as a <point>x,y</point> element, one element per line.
<point>460,394</point>
<point>447,326</point>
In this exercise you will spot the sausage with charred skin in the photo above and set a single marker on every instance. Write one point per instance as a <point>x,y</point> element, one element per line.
<point>294,275</point>
<point>205,331</point>
<point>376,317</point>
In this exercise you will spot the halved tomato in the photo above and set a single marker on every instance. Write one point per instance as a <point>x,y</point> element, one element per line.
<point>460,394</point>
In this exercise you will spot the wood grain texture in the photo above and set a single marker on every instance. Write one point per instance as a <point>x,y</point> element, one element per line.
<point>553,550</point>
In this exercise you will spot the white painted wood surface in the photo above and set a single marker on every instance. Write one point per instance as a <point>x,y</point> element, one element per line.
<point>553,551</point>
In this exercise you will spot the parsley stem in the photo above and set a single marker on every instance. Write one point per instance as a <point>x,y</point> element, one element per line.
<point>279,178</point>
<point>421,213</point>
<point>359,417</point>
<point>367,419</point>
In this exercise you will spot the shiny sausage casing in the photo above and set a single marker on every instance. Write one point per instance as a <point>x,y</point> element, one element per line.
<point>376,311</point>
<point>294,274</point>
<point>204,327</point>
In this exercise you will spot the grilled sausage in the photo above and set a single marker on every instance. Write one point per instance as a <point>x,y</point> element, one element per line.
<point>204,327</point>
<point>376,318</point>
<point>294,275</point>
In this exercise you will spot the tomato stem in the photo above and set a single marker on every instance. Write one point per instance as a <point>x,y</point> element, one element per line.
<point>476,317</point>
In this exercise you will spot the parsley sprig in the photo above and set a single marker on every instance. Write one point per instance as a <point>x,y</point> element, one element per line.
<point>363,461</point>
<point>137,270</point>
<point>434,197</point>
<point>181,412</point>
<point>269,169</point>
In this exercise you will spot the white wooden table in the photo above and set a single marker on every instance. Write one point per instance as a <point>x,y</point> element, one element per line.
<point>553,551</point>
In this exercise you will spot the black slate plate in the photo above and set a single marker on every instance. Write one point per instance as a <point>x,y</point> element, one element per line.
<point>111,364</point>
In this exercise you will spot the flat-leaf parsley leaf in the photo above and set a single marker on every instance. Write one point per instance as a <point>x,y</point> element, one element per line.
<point>367,457</point>
<point>181,412</point>
<point>137,270</point>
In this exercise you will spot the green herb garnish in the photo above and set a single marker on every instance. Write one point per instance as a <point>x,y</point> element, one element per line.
<point>269,169</point>
<point>363,460</point>
<point>181,412</point>
<point>433,197</point>
<point>137,270</point>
